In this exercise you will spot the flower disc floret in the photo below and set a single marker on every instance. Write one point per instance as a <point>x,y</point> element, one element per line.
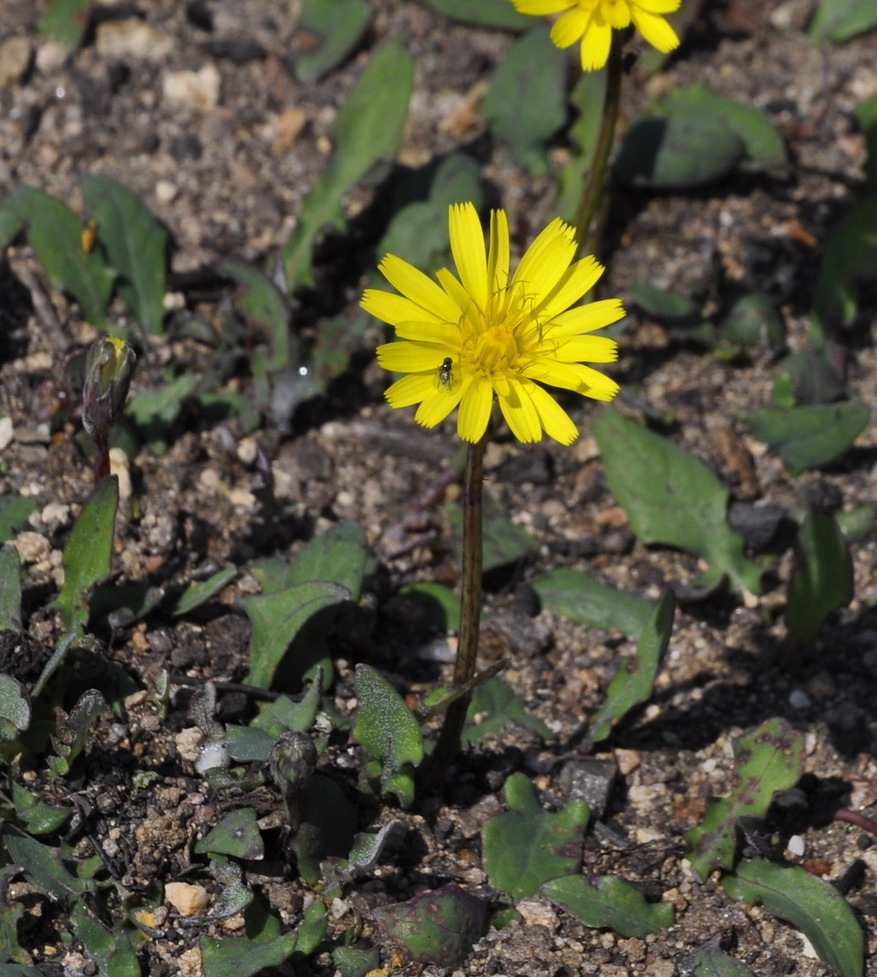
<point>479,335</point>
<point>591,22</point>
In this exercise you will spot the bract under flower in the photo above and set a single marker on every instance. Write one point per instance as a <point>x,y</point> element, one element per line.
<point>480,334</point>
<point>591,22</point>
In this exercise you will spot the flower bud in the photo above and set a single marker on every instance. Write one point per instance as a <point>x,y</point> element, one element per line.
<point>108,371</point>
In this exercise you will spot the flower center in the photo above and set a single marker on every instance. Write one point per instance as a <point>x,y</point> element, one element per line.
<point>500,340</point>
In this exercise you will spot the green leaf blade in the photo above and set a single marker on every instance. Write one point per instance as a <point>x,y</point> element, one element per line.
<point>812,905</point>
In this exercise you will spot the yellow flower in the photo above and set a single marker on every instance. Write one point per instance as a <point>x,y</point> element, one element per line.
<point>467,339</point>
<point>591,22</point>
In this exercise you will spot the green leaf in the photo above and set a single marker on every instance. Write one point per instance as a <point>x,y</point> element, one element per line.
<point>486,13</point>
<point>672,498</point>
<point>278,618</point>
<point>284,715</point>
<point>849,260</point>
<point>237,834</point>
<point>766,759</point>
<point>866,116</point>
<point>367,129</point>
<point>437,927</point>
<point>635,679</point>
<point>525,846</point>
<point>15,510</point>
<point>385,726</point>
<point>327,31</point>
<point>200,591</point>
<point>496,705</point>
<point>504,542</point>
<point>66,21</point>
<point>339,555</point>
<point>583,599</point>
<point>587,99</point>
<point>839,20</point>
<point>431,604</point>
<point>111,950</point>
<point>822,580</point>
<point>263,305</point>
<point>696,137</point>
<point>611,903</point>
<point>806,437</point>
<point>327,827</point>
<point>88,552</point>
<point>155,410</point>
<point>709,961</point>
<point>54,233</point>
<point>525,105</point>
<point>814,906</point>
<point>419,226</point>
<point>42,864</point>
<point>14,708</point>
<point>73,730</point>
<point>38,817</point>
<point>136,245</point>
<point>10,589</point>
<point>242,957</point>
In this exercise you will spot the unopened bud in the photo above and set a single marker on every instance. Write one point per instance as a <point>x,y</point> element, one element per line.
<point>108,371</point>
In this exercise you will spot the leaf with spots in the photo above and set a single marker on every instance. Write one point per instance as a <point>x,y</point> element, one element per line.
<point>767,759</point>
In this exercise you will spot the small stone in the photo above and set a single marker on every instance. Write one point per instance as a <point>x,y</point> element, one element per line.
<point>32,547</point>
<point>15,57</point>
<point>120,40</point>
<point>186,898</point>
<point>197,90</point>
<point>537,912</point>
<point>188,743</point>
<point>6,432</point>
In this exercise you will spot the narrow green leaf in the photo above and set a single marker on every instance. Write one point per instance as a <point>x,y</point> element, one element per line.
<point>42,864</point>
<point>54,233</point>
<point>611,903</point>
<point>136,245</point>
<point>263,306</point>
<point>822,580</point>
<point>526,103</point>
<point>806,437</point>
<point>587,99</point>
<point>525,846</point>
<point>387,729</point>
<point>849,259</point>
<point>331,28</point>
<point>814,906</point>
<point>278,617</point>
<point>766,760</point>
<point>672,498</point>
<point>200,591</point>
<point>839,20</point>
<point>72,731</point>
<point>10,589</point>
<point>88,552</point>
<point>367,129</point>
<point>486,13</point>
<point>635,679</point>
<point>242,957</point>
<point>583,599</point>
<point>111,950</point>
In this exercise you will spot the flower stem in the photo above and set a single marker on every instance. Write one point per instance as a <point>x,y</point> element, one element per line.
<point>587,229</point>
<point>470,615</point>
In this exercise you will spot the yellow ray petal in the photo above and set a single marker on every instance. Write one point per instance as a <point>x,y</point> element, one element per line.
<point>467,247</point>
